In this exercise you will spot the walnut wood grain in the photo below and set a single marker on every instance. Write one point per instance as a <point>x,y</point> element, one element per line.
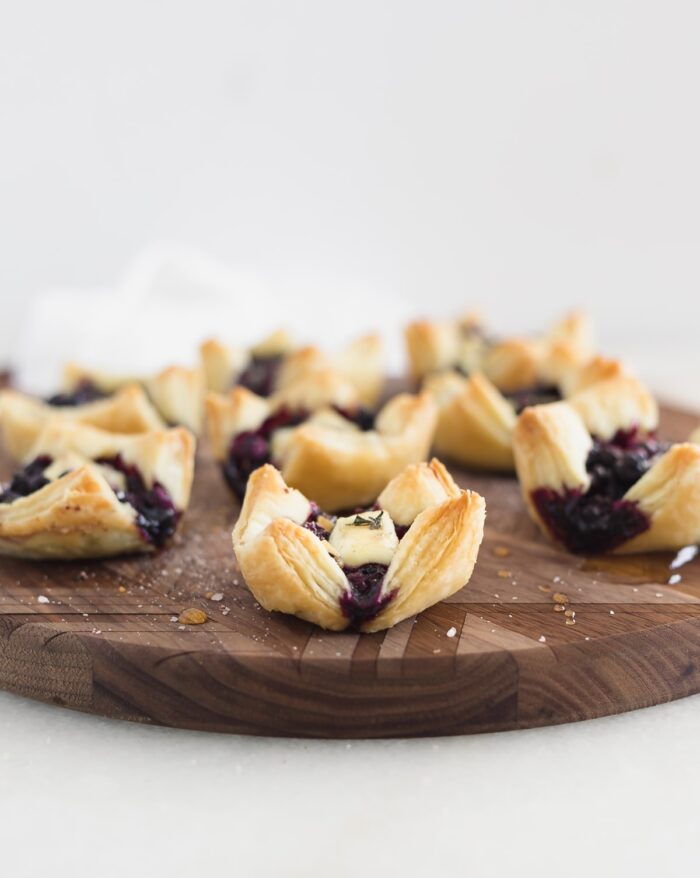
<point>105,642</point>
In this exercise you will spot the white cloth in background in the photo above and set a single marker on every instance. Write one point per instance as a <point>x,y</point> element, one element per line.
<point>171,299</point>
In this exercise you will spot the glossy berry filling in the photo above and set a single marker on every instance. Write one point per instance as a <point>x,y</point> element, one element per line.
<point>251,449</point>
<point>364,600</point>
<point>83,392</point>
<point>260,374</point>
<point>156,515</point>
<point>540,394</point>
<point>313,524</point>
<point>27,480</point>
<point>599,519</point>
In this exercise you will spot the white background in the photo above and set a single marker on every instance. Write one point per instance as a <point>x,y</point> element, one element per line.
<point>351,163</point>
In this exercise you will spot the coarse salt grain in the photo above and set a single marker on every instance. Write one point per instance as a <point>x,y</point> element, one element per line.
<point>42,599</point>
<point>451,631</point>
<point>542,638</point>
<point>217,596</point>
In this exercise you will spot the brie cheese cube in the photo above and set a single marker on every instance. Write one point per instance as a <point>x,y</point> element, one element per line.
<point>367,538</point>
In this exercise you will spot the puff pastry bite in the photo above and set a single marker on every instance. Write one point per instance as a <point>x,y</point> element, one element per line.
<point>514,365</point>
<point>369,570</point>
<point>177,392</point>
<point>275,363</point>
<point>336,452</point>
<point>86,493</point>
<point>628,493</point>
<point>23,417</point>
<point>476,420</point>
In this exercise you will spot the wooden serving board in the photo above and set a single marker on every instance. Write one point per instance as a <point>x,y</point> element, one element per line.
<point>102,637</point>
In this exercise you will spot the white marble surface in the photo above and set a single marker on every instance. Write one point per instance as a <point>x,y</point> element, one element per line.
<point>356,163</point>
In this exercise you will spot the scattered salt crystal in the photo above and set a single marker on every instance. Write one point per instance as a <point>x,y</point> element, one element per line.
<point>612,612</point>
<point>42,599</point>
<point>217,596</point>
<point>451,631</point>
<point>97,631</point>
<point>226,611</point>
<point>685,555</point>
<point>675,579</point>
<point>542,638</point>
<point>658,594</point>
<point>173,618</point>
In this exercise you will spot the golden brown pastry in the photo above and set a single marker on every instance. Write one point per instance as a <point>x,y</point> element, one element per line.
<point>513,364</point>
<point>334,454</point>
<point>23,417</point>
<point>86,493</point>
<point>177,391</point>
<point>268,368</point>
<point>369,570</point>
<point>627,494</point>
<point>476,420</point>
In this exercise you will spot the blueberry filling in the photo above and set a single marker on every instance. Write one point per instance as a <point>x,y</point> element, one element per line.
<point>364,599</point>
<point>251,449</point>
<point>83,392</point>
<point>312,523</point>
<point>599,519</point>
<point>156,515</point>
<point>361,416</point>
<point>540,394</point>
<point>260,374</point>
<point>27,480</point>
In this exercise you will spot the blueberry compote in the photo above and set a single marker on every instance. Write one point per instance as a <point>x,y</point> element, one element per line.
<point>312,523</point>
<point>251,449</point>
<point>600,520</point>
<point>260,374</point>
<point>83,392</point>
<point>156,515</point>
<point>364,600</point>
<point>539,394</point>
<point>27,480</point>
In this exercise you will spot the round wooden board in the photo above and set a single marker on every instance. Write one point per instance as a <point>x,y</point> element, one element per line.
<point>102,637</point>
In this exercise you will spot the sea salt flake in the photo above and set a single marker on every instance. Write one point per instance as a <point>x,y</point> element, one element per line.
<point>675,579</point>
<point>42,599</point>
<point>217,596</point>
<point>542,638</point>
<point>451,631</point>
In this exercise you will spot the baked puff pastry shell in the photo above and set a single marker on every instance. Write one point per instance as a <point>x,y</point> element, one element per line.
<point>22,417</point>
<point>327,456</point>
<point>561,471</point>
<point>78,513</point>
<point>360,364</point>
<point>510,364</point>
<point>475,420</point>
<point>177,392</point>
<point>291,570</point>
